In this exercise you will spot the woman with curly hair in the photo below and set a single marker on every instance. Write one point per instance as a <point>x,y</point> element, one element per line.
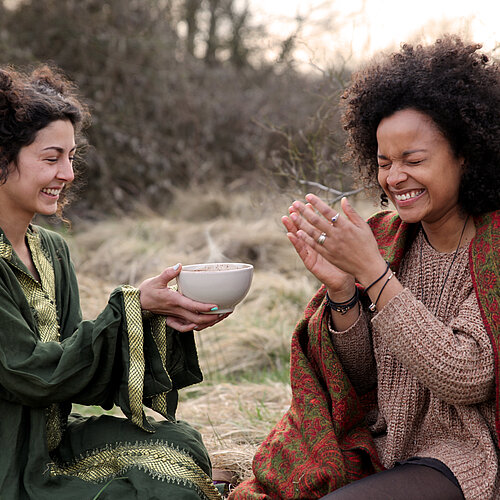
<point>139,351</point>
<point>395,365</point>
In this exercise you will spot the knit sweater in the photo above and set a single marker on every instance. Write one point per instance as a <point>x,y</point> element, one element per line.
<point>432,361</point>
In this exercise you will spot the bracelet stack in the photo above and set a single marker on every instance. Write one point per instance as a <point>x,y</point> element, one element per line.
<point>343,307</point>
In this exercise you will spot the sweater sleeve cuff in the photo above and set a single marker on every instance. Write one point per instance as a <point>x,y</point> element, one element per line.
<point>396,307</point>
<point>353,330</point>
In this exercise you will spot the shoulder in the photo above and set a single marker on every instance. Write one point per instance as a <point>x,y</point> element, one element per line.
<point>485,267</point>
<point>487,237</point>
<point>486,244</point>
<point>385,218</point>
<point>488,222</point>
<point>48,235</point>
<point>52,241</point>
<point>393,235</point>
<point>385,224</point>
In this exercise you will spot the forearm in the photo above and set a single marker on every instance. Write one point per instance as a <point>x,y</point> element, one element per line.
<point>353,346</point>
<point>454,360</point>
<point>344,307</point>
<point>380,283</point>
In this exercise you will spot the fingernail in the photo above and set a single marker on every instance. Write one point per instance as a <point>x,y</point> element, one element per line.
<point>215,308</point>
<point>176,267</point>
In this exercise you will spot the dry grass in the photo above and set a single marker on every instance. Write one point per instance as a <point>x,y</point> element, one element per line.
<point>245,359</point>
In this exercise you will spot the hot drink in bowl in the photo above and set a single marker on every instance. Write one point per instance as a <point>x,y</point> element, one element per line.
<point>223,283</point>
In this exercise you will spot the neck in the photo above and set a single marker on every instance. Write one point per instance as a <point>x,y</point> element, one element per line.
<point>447,235</point>
<point>14,232</point>
<point>14,221</point>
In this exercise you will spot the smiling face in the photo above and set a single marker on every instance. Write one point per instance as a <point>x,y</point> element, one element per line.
<point>418,170</point>
<point>41,171</point>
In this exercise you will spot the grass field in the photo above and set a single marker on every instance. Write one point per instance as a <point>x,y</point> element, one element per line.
<point>245,359</point>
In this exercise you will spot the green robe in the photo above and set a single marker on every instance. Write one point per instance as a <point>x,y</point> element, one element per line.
<point>50,358</point>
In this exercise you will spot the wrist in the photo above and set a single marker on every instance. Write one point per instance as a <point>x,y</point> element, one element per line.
<point>345,306</point>
<point>343,292</point>
<point>372,273</point>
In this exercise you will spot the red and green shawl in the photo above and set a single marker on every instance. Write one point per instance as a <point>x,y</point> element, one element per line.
<point>322,442</point>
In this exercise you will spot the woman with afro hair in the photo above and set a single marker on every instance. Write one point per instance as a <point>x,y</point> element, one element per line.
<point>395,364</point>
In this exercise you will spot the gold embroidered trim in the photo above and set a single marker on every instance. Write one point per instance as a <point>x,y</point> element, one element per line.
<point>159,329</point>
<point>41,295</point>
<point>133,317</point>
<point>54,425</point>
<point>41,298</point>
<point>5,249</point>
<point>159,459</point>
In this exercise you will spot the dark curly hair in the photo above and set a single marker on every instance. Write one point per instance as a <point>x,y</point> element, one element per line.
<point>30,102</point>
<point>457,86</point>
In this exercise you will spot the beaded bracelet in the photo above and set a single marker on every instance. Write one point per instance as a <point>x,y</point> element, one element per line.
<point>373,305</point>
<point>378,279</point>
<point>343,307</point>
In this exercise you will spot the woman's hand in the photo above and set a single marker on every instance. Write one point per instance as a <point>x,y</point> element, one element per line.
<point>183,314</point>
<point>349,244</point>
<point>340,285</point>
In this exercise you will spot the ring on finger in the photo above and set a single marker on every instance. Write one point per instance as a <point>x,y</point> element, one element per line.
<point>321,238</point>
<point>335,218</point>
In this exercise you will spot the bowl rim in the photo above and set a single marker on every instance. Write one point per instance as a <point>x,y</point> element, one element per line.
<point>192,268</point>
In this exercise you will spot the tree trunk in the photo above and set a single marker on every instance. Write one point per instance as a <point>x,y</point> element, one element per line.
<point>191,11</point>
<point>212,42</point>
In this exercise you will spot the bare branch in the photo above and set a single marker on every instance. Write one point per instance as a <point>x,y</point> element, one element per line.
<point>339,194</point>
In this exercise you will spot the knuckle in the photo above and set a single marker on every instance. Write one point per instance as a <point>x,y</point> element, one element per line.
<point>315,218</point>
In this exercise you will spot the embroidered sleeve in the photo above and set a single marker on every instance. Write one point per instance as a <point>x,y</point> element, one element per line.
<point>157,361</point>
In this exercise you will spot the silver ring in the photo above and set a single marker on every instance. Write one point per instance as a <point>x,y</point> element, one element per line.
<point>321,238</point>
<point>335,218</point>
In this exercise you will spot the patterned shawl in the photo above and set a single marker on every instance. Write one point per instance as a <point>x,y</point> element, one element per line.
<point>322,443</point>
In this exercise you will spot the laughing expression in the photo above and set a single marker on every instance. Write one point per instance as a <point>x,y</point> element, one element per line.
<point>40,173</point>
<point>418,170</point>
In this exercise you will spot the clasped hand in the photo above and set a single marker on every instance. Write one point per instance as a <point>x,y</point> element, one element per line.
<point>182,313</point>
<point>349,250</point>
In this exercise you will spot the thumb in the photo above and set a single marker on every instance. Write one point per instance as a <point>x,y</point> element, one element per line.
<point>349,211</point>
<point>170,273</point>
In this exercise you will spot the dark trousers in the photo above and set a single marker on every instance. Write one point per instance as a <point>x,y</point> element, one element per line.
<point>414,479</point>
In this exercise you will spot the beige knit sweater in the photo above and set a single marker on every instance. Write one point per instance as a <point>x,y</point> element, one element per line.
<point>434,367</point>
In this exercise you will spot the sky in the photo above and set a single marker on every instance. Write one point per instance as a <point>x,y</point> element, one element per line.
<point>356,29</point>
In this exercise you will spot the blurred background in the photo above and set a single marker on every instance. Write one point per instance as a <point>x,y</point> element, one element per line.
<point>208,118</point>
<point>189,92</point>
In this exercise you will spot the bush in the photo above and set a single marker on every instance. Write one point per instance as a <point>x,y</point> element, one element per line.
<point>163,118</point>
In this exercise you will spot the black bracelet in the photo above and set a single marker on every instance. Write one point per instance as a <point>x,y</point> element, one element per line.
<point>378,279</point>
<point>373,305</point>
<point>343,307</point>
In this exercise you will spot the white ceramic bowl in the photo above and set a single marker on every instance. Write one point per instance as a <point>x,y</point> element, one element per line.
<point>222,283</point>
